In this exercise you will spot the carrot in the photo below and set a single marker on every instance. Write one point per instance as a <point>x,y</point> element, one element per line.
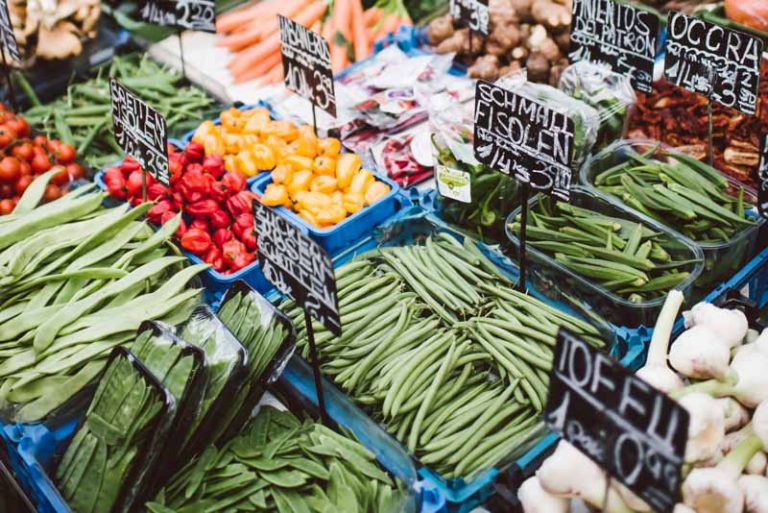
<point>372,16</point>
<point>339,59</point>
<point>231,21</point>
<point>259,69</point>
<point>342,17</point>
<point>390,24</point>
<point>274,75</point>
<point>360,41</point>
<point>327,32</point>
<point>263,28</point>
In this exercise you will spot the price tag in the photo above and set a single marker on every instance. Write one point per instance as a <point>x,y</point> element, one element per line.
<point>716,62</point>
<point>617,34</point>
<point>140,131</point>
<point>636,433</point>
<point>523,138</point>
<point>188,14</point>
<point>307,64</point>
<point>6,32</point>
<point>762,178</point>
<point>473,14</point>
<point>453,183</point>
<point>297,266</point>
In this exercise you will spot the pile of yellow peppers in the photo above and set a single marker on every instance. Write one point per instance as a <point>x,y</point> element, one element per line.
<point>309,174</point>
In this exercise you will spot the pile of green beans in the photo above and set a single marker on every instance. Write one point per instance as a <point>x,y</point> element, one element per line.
<point>285,465</point>
<point>422,351</point>
<point>77,280</point>
<point>97,463</point>
<point>83,117</point>
<point>625,257</point>
<point>681,192</point>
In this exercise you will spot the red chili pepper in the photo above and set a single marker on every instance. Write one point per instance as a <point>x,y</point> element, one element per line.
<point>241,203</point>
<point>158,209</point>
<point>235,181</point>
<point>220,192</point>
<point>214,165</point>
<point>196,241</point>
<point>201,224</point>
<point>249,239</point>
<point>115,183</point>
<point>201,209</point>
<point>221,236</point>
<point>242,224</point>
<point>213,257</point>
<point>219,218</point>
<point>156,190</point>
<point>133,185</point>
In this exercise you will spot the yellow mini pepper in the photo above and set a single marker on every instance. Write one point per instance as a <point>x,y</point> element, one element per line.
<point>257,120</point>
<point>361,181</point>
<point>276,195</point>
<point>300,181</point>
<point>299,163</point>
<point>262,154</point>
<point>353,202</point>
<point>375,192</point>
<point>282,174</point>
<point>324,184</point>
<point>331,215</point>
<point>232,120</point>
<point>283,129</point>
<point>329,147</point>
<point>346,168</point>
<point>245,163</point>
<point>325,166</point>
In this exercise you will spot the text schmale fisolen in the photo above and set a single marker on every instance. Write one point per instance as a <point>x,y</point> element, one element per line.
<point>633,431</point>
<point>762,177</point>
<point>617,34</point>
<point>140,131</point>
<point>473,14</point>
<point>716,62</point>
<point>307,64</point>
<point>199,15</point>
<point>297,266</point>
<point>523,138</point>
<point>6,32</point>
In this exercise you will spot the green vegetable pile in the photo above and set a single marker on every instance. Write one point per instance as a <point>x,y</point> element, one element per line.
<point>282,464</point>
<point>96,465</point>
<point>682,192</point>
<point>439,348</point>
<point>77,280</point>
<point>83,118</point>
<point>625,257</point>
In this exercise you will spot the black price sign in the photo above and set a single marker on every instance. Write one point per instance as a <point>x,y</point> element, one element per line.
<point>307,64</point>
<point>762,178</point>
<point>6,32</point>
<point>714,61</point>
<point>472,14</point>
<point>629,428</point>
<point>188,14</point>
<point>523,138</point>
<point>297,266</point>
<point>140,131</point>
<point>619,35</point>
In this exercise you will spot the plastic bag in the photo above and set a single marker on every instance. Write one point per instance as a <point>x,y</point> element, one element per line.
<point>609,92</point>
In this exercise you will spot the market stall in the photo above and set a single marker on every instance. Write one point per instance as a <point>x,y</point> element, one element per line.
<point>405,256</point>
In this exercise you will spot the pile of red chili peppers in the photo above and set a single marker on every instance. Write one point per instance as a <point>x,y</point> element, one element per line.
<point>218,217</point>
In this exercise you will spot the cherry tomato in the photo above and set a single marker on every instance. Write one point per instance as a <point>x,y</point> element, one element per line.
<point>10,170</point>
<point>26,169</point>
<point>61,177</point>
<point>7,136</point>
<point>6,207</point>
<point>6,190</point>
<point>40,164</point>
<point>75,171</point>
<point>22,183</point>
<point>52,192</point>
<point>19,125</point>
<point>40,140</point>
<point>23,151</point>
<point>53,145</point>
<point>65,154</point>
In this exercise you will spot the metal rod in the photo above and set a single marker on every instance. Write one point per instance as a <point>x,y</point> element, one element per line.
<point>524,191</point>
<point>314,119</point>
<point>143,184</point>
<point>316,368</point>
<point>9,81</point>
<point>181,53</point>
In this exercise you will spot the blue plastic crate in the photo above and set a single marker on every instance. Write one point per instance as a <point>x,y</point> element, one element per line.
<point>261,104</point>
<point>354,227</point>
<point>463,496</point>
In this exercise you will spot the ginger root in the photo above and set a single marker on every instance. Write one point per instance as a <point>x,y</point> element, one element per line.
<point>550,14</point>
<point>440,29</point>
<point>485,67</point>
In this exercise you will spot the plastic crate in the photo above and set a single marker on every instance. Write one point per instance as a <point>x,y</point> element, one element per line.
<point>351,229</point>
<point>462,496</point>
<point>217,121</point>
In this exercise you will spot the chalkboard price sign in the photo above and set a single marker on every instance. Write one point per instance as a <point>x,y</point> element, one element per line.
<point>629,428</point>
<point>307,64</point>
<point>140,131</point>
<point>714,61</point>
<point>187,14</point>
<point>6,32</point>
<point>297,266</point>
<point>472,14</point>
<point>520,137</point>
<point>762,178</point>
<point>617,34</point>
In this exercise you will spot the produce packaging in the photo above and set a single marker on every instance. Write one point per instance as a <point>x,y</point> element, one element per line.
<point>531,34</point>
<point>83,117</point>
<point>614,261</point>
<point>78,287</point>
<point>685,194</point>
<point>679,119</point>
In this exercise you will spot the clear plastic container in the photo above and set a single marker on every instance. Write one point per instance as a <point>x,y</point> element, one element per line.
<point>721,259</point>
<point>549,276</point>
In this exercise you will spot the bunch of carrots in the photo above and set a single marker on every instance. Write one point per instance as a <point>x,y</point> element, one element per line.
<point>251,32</point>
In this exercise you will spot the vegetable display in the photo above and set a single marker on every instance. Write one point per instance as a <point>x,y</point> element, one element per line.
<point>83,117</point>
<point>438,347</point>
<point>281,463</point>
<point>218,224</point>
<point>625,257</point>
<point>752,13</point>
<point>78,287</point>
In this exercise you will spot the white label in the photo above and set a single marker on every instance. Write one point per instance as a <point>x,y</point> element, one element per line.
<point>454,184</point>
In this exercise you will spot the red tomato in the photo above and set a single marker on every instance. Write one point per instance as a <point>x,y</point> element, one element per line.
<point>7,136</point>
<point>61,177</point>
<point>65,154</point>
<point>52,192</point>
<point>10,170</point>
<point>6,207</point>
<point>40,140</point>
<point>75,171</point>
<point>23,151</point>
<point>6,190</point>
<point>19,125</point>
<point>22,184</point>
<point>53,145</point>
<point>26,169</point>
<point>40,164</point>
